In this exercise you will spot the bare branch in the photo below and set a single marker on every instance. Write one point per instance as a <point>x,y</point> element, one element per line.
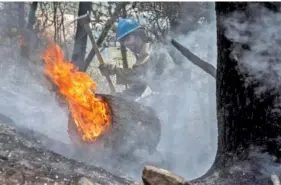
<point>210,69</point>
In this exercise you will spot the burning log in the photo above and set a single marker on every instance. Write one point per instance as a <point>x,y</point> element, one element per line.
<point>133,127</point>
<point>98,120</point>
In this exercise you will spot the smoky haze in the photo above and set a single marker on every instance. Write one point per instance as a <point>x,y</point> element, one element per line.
<point>188,141</point>
<point>261,33</point>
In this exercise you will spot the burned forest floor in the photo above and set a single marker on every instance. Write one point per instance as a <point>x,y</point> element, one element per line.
<point>23,160</point>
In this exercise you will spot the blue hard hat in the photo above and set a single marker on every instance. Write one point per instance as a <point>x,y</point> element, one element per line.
<point>126,26</point>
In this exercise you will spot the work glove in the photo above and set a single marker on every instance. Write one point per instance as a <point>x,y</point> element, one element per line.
<point>107,69</point>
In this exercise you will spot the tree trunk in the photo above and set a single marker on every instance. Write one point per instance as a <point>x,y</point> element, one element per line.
<point>21,15</point>
<point>123,49</point>
<point>32,16</point>
<point>80,44</point>
<point>247,120</point>
<point>27,33</point>
<point>122,46</point>
<point>243,118</point>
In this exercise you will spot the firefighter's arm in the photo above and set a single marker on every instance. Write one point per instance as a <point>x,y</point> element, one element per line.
<point>129,75</point>
<point>125,74</point>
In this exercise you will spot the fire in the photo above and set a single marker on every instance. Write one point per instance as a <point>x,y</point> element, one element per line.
<point>90,113</point>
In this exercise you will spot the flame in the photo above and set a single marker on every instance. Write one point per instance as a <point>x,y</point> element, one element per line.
<point>90,113</point>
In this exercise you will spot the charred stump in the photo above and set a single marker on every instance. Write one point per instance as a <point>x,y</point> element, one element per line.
<point>245,120</point>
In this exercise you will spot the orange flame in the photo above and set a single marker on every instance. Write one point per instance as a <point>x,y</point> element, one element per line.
<point>91,114</point>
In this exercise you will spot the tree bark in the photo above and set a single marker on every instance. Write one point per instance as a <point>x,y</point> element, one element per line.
<point>244,119</point>
<point>80,43</point>
<point>133,126</point>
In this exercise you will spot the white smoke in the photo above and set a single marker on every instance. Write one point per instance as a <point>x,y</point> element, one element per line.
<point>261,33</point>
<point>27,102</point>
<point>188,142</point>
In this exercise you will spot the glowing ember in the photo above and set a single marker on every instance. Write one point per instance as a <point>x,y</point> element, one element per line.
<point>90,113</point>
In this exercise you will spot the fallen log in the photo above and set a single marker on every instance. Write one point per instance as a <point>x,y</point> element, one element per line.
<point>210,69</point>
<point>133,127</point>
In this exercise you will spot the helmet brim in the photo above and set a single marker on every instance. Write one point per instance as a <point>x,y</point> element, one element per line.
<point>126,33</point>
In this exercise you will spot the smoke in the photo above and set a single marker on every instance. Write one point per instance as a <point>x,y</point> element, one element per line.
<point>258,45</point>
<point>188,140</point>
<point>26,102</point>
<point>187,111</point>
<point>187,108</point>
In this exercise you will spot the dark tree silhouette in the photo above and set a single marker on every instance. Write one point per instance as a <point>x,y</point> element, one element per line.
<point>80,44</point>
<point>27,32</point>
<point>244,119</point>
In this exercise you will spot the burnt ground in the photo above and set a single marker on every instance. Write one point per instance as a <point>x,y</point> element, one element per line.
<point>23,160</point>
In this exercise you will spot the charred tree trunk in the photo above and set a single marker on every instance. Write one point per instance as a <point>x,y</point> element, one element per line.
<point>244,120</point>
<point>27,33</point>
<point>80,44</point>
<point>248,119</point>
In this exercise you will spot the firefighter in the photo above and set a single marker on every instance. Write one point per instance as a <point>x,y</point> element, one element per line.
<point>152,61</point>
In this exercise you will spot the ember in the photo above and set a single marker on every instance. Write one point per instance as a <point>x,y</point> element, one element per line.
<point>90,113</point>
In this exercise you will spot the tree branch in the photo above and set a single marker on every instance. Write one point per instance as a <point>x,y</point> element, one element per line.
<point>104,33</point>
<point>210,69</point>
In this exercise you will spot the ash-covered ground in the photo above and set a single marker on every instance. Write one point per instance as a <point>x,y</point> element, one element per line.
<point>24,160</point>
